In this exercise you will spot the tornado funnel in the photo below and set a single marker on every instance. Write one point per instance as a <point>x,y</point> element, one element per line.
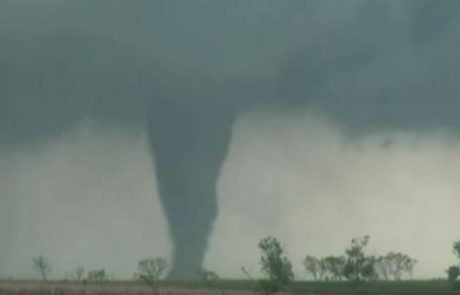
<point>189,143</point>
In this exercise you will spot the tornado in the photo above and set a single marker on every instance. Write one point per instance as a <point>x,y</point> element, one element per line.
<point>189,143</point>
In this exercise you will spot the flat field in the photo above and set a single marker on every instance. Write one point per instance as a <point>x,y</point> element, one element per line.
<point>228,287</point>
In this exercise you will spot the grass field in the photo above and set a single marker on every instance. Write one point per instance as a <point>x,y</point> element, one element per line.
<point>228,287</point>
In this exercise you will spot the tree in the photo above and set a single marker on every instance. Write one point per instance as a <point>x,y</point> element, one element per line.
<point>395,265</point>
<point>408,265</point>
<point>77,274</point>
<point>456,249</point>
<point>368,270</point>
<point>358,267</point>
<point>246,273</point>
<point>452,273</point>
<point>97,275</point>
<point>41,265</point>
<point>151,270</point>
<point>383,266</point>
<point>335,266</point>
<point>322,269</point>
<point>311,265</point>
<point>276,266</point>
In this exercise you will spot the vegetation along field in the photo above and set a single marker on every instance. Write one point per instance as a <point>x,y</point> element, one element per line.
<point>356,272</point>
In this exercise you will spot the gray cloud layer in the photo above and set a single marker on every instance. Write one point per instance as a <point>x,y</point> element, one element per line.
<point>366,64</point>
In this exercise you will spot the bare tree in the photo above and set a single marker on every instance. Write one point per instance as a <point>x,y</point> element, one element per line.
<point>41,265</point>
<point>246,273</point>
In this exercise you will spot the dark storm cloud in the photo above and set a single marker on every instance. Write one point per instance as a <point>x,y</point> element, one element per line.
<point>357,61</point>
<point>191,66</point>
<point>385,71</point>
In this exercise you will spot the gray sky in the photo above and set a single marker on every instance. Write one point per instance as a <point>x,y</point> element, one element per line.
<point>347,126</point>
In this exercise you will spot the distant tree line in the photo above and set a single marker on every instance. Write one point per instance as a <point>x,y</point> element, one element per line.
<point>355,265</point>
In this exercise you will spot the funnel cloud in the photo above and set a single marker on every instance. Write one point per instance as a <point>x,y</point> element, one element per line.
<point>190,146</point>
